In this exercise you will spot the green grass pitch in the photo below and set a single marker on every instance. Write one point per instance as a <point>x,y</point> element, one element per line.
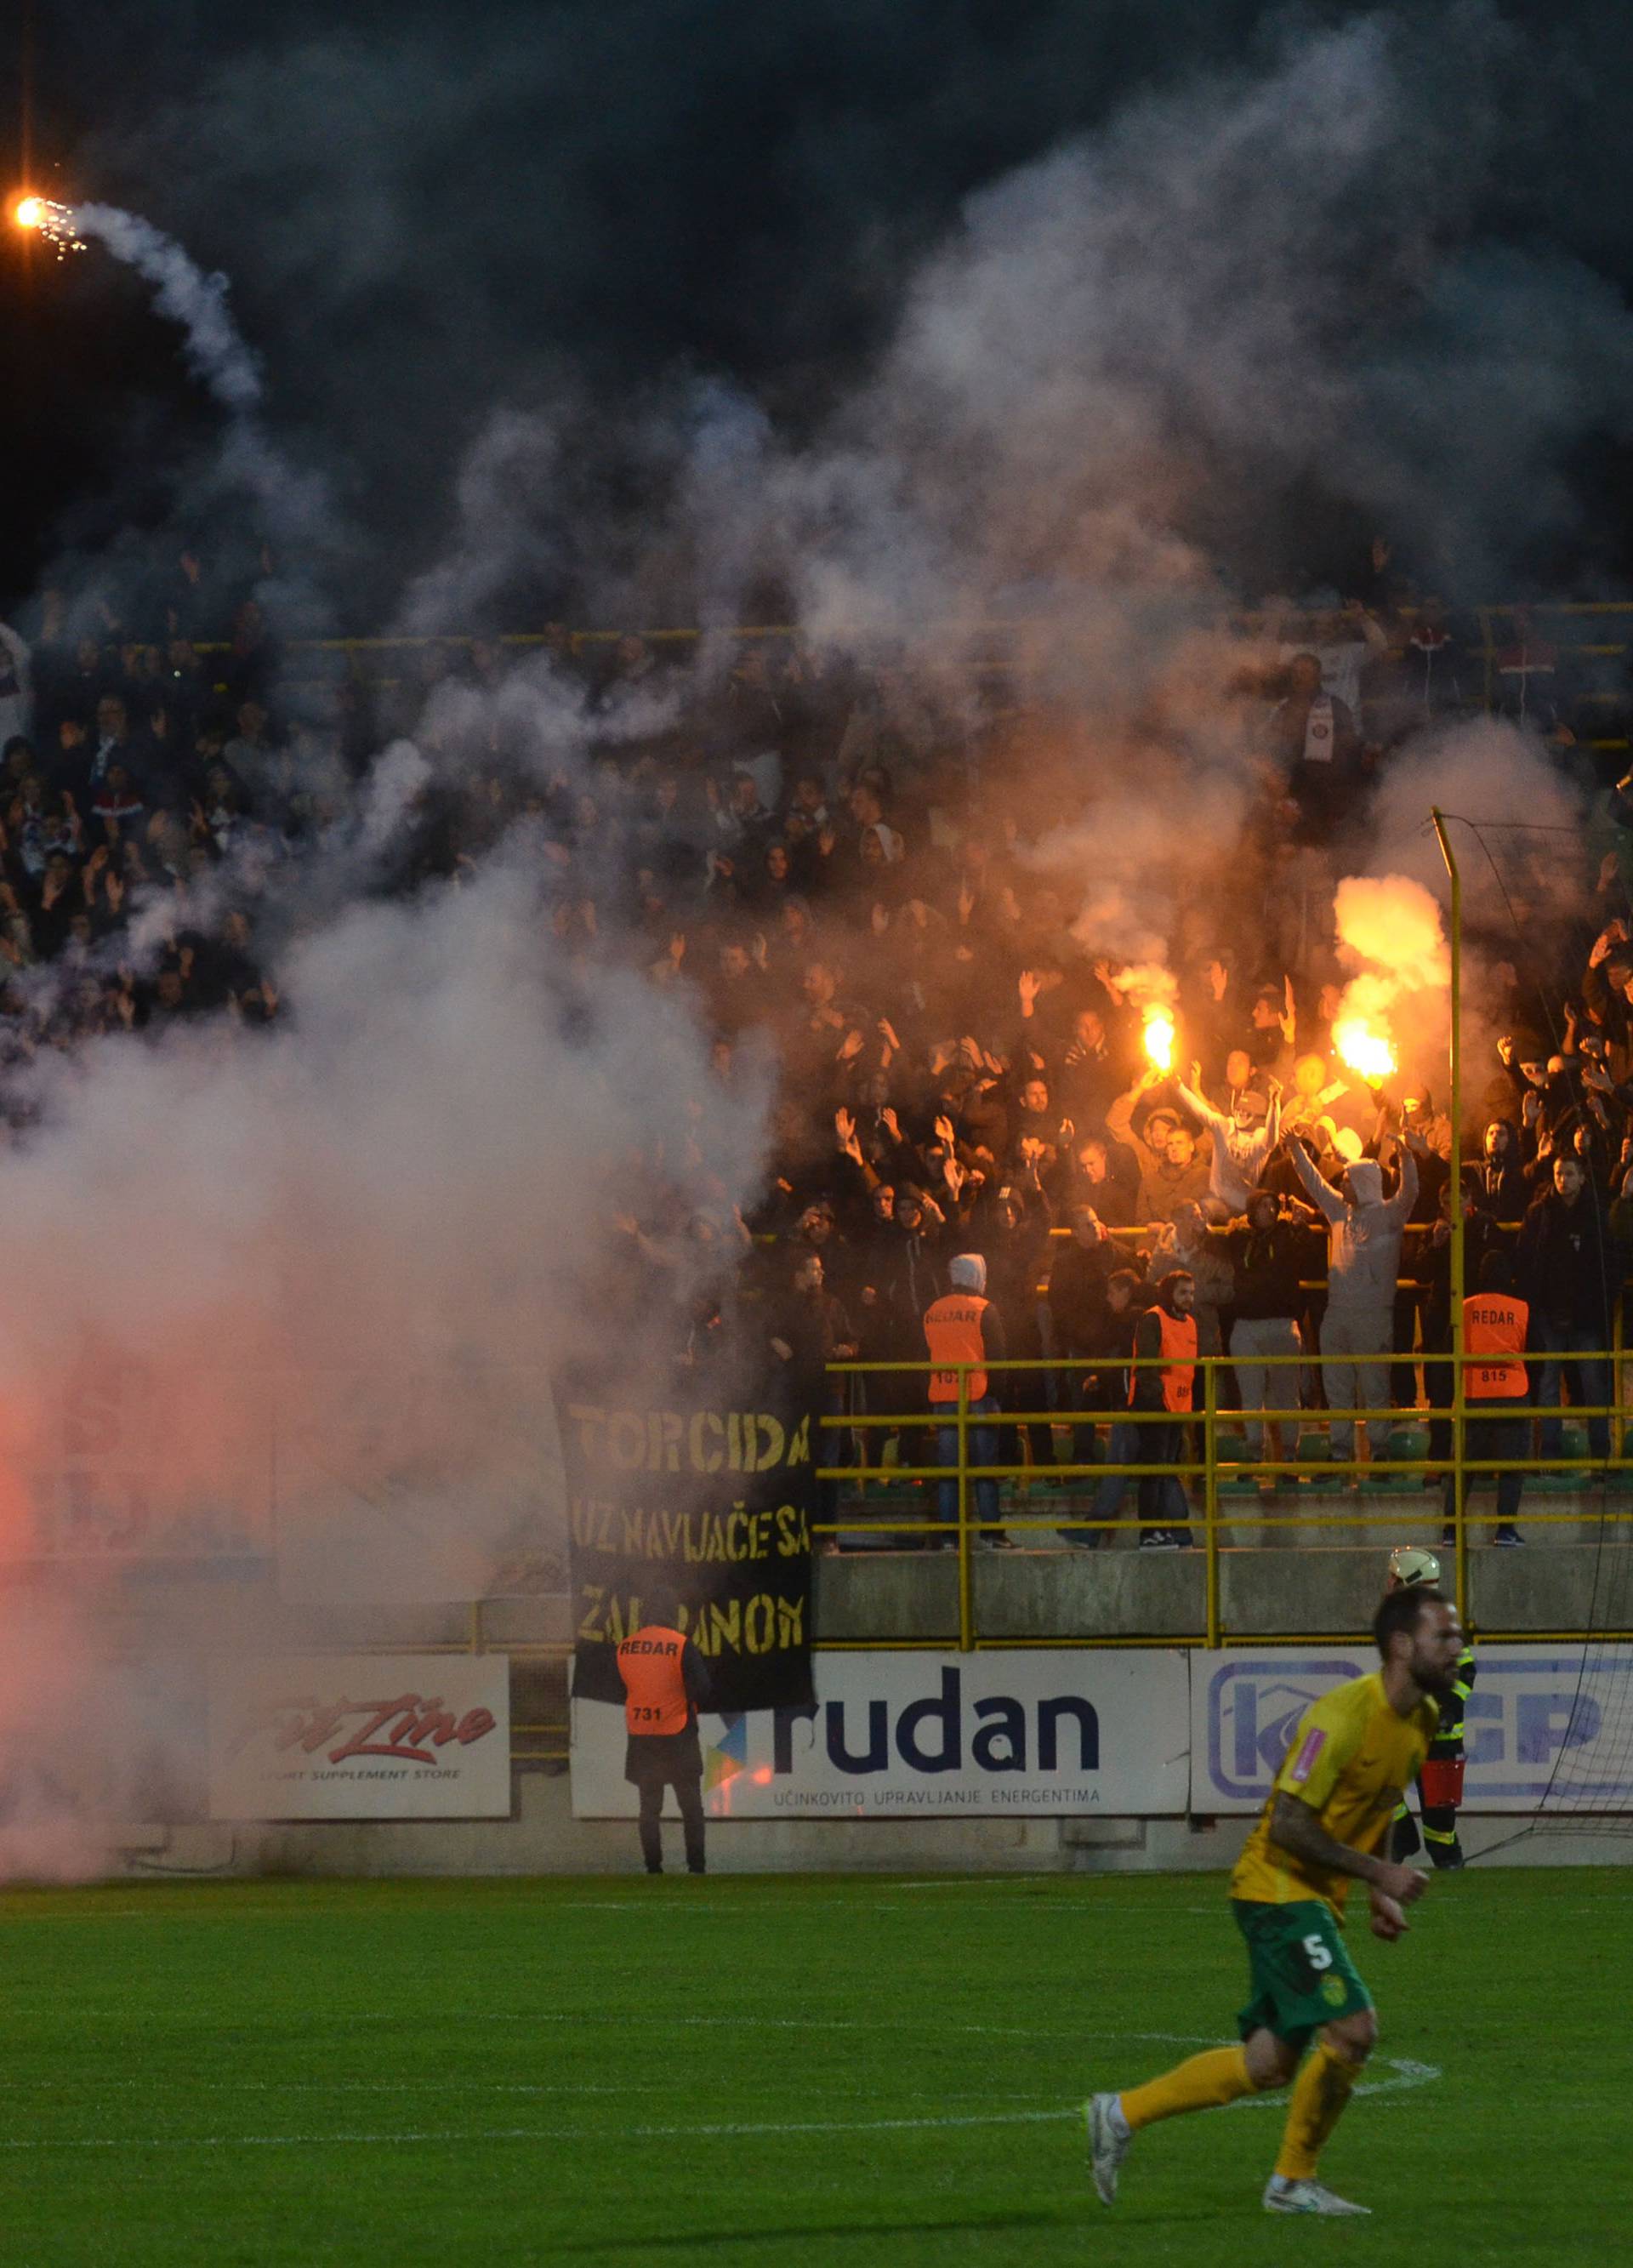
<point>757,2070</point>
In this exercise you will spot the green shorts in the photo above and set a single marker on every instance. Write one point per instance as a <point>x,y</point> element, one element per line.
<point>1299,1970</point>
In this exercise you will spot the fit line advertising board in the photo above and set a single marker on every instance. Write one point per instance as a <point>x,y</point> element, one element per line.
<point>361,1736</point>
<point>1029,1733</point>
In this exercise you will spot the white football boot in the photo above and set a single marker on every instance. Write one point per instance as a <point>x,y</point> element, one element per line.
<point>1110,2139</point>
<point>1281,2195</point>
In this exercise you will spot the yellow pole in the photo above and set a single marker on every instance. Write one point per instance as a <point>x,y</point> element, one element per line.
<point>1211,1500</point>
<point>1461,1527</point>
<point>967,1618</point>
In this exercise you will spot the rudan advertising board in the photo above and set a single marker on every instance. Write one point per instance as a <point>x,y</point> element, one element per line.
<point>910,1735</point>
<point>361,1736</point>
<point>1543,1722</point>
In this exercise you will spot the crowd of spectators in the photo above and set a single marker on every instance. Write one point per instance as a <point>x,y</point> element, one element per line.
<point>858,883</point>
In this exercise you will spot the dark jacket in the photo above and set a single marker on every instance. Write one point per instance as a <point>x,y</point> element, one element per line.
<point>1268,1264</point>
<point>1076,1295</point>
<point>1568,1264</point>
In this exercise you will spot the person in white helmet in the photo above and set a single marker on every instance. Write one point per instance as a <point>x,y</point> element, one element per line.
<point>1440,1782</point>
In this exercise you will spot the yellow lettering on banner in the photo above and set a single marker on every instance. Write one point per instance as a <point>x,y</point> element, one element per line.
<point>734,1442</point>
<point>590,1420</point>
<point>793,1535</point>
<point>772,1440</point>
<point>590,1626</point>
<point>592,1524</point>
<point>616,1629</point>
<point>635,1529</point>
<point>628,1439</point>
<point>790,1622</point>
<point>671,1430</point>
<point>799,1447</point>
<point>726,1623</point>
<point>759,1622</point>
<point>736,1521</point>
<point>705,1460</point>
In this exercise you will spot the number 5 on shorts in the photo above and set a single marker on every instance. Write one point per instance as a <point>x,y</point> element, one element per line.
<point>1318,1954</point>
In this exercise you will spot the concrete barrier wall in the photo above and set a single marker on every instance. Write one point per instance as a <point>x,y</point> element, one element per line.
<point>544,1839</point>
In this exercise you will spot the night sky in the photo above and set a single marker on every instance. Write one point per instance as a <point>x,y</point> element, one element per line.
<point>426,211</point>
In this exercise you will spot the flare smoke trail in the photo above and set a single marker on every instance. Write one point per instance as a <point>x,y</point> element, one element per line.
<point>185,296</point>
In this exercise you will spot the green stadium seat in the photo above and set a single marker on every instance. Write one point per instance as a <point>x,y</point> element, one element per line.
<point>1314,1449</point>
<point>1572,1443</point>
<point>1403,1441</point>
<point>1230,1447</point>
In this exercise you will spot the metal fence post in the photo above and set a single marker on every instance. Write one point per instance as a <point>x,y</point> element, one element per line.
<point>1211,1490</point>
<point>1460,1531</point>
<point>967,1618</point>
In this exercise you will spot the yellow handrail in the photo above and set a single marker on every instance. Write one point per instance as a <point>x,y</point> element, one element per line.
<point>958,1417</point>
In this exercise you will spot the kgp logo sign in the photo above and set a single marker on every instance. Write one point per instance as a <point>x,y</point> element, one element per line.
<point>1253,1706</point>
<point>1540,1724</point>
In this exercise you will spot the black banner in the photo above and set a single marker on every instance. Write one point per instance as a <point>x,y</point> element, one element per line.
<point>713,1503</point>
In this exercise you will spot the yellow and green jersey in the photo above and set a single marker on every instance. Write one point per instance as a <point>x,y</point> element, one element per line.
<point>1349,1759</point>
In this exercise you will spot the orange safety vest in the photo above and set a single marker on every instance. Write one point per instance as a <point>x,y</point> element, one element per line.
<point>649,1662</point>
<point>1179,1351</point>
<point>1494,1324</point>
<point>952,1334</point>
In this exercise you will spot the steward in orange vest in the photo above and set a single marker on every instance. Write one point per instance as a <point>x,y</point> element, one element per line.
<point>963,1325</point>
<point>1166,1330</point>
<point>1496,1386</point>
<point>665,1683</point>
<point>1495,1324</point>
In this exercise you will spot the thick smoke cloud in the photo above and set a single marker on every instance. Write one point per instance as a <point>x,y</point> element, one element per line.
<point>617,192</point>
<point>1080,409</point>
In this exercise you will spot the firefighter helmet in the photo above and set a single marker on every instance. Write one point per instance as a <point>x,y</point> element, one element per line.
<point>1412,1568</point>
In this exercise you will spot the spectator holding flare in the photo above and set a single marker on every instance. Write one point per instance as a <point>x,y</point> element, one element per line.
<point>666,1684</point>
<point>1171,1168</point>
<point>1243,1138</point>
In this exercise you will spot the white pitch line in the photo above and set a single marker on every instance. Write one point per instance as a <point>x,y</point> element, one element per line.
<point>1408,2074</point>
<point>801,2024</point>
<point>538,2134</point>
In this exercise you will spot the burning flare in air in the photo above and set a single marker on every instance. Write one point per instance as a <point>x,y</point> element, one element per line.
<point>1159,1038</point>
<point>59,225</point>
<point>1364,1049</point>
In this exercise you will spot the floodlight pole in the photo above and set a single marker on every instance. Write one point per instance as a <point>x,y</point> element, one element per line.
<point>1459,1524</point>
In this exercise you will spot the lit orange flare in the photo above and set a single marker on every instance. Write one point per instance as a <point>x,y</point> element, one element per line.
<point>1159,1038</point>
<point>30,212</point>
<point>1363,1049</point>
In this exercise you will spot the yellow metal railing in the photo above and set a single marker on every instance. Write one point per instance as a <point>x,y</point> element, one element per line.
<point>965,1531</point>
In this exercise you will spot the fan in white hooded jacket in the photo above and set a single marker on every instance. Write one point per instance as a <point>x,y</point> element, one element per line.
<point>1242,1140</point>
<point>1363,1244</point>
<point>1363,1261</point>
